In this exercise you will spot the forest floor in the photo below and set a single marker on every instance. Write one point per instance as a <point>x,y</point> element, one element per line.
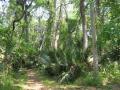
<point>33,83</point>
<point>36,82</point>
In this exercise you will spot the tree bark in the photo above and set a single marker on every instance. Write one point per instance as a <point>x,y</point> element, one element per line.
<point>94,38</point>
<point>84,26</point>
<point>57,17</point>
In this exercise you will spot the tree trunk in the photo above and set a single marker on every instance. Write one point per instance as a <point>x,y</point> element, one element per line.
<point>57,16</point>
<point>25,28</point>
<point>94,38</point>
<point>84,26</point>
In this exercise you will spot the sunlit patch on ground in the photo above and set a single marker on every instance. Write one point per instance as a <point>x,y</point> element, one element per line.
<point>36,82</point>
<point>32,83</point>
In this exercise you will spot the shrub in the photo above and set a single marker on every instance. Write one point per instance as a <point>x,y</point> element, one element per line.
<point>90,80</point>
<point>111,71</point>
<point>6,82</point>
<point>71,75</point>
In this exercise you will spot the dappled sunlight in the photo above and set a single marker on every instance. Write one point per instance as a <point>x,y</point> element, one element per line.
<point>49,82</point>
<point>33,86</point>
<point>32,83</point>
<point>105,81</point>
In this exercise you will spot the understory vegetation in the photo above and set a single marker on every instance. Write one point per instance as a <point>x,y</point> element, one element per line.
<point>68,42</point>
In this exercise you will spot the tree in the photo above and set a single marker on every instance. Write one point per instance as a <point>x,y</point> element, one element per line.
<point>94,38</point>
<point>84,25</point>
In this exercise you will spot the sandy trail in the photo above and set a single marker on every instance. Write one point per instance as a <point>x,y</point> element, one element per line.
<point>33,83</point>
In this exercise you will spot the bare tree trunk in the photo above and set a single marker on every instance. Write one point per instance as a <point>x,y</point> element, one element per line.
<point>94,38</point>
<point>56,24</point>
<point>84,26</point>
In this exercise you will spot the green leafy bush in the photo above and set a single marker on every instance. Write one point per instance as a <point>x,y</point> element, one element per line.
<point>6,82</point>
<point>111,72</point>
<point>90,80</point>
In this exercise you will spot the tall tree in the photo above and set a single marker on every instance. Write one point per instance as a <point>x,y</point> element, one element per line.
<point>84,25</point>
<point>26,19</point>
<point>94,38</point>
<point>56,25</point>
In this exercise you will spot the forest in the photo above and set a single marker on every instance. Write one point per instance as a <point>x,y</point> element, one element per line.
<point>59,44</point>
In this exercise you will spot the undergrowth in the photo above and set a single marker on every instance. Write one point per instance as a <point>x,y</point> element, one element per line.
<point>9,81</point>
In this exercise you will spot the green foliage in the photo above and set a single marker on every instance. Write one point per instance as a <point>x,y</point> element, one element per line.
<point>23,55</point>
<point>71,25</point>
<point>111,73</point>
<point>10,79</point>
<point>40,2</point>
<point>7,82</point>
<point>108,41</point>
<point>110,34</point>
<point>70,75</point>
<point>90,80</point>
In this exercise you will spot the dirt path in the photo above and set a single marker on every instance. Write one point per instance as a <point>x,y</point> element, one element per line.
<point>33,83</point>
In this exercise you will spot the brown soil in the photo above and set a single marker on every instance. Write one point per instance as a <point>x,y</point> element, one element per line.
<point>33,83</point>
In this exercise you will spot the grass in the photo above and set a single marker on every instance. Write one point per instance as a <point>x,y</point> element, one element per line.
<point>86,82</point>
<point>12,81</point>
<point>45,79</point>
<point>20,77</point>
<point>52,83</point>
